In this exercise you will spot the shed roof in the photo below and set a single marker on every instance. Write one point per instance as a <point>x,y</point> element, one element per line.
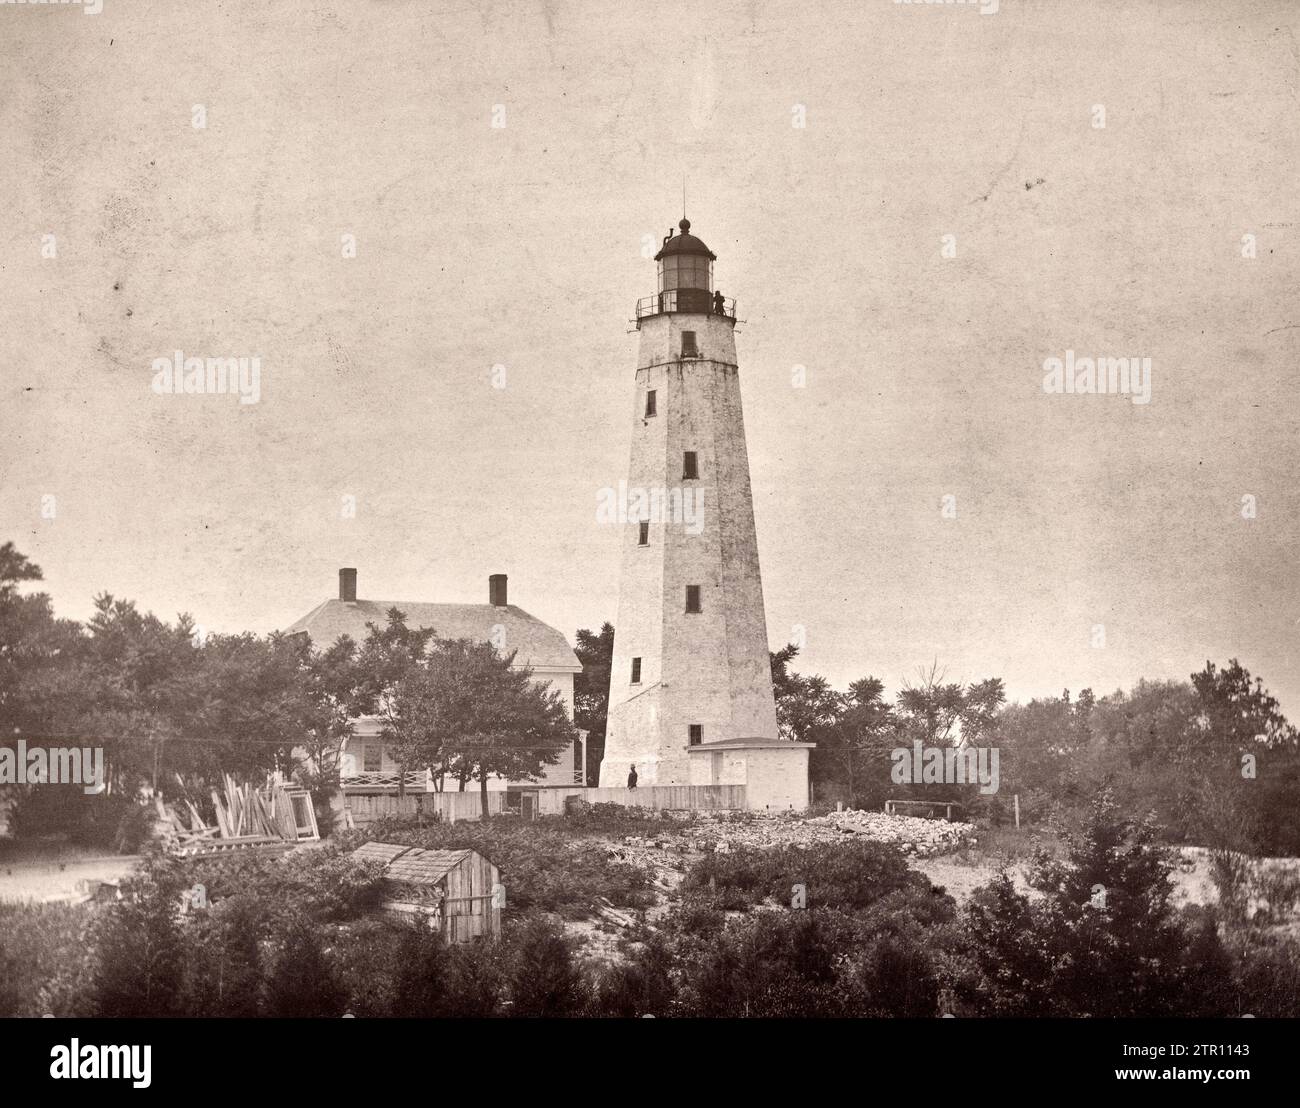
<point>411,865</point>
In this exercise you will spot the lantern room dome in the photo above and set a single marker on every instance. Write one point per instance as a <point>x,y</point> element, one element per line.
<point>685,243</point>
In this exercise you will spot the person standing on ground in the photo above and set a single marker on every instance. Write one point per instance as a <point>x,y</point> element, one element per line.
<point>631,778</point>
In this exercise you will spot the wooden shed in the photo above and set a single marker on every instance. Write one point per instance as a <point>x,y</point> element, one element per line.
<point>456,892</point>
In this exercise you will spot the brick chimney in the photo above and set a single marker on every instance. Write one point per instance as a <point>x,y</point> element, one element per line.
<point>348,584</point>
<point>497,590</point>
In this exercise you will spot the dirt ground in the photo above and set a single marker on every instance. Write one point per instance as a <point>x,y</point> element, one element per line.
<point>47,872</point>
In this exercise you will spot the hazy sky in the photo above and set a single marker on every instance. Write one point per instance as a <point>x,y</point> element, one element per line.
<point>521,246</point>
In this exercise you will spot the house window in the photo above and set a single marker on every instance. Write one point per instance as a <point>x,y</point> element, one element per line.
<point>688,345</point>
<point>697,734</point>
<point>372,758</point>
<point>643,533</point>
<point>690,466</point>
<point>649,403</point>
<point>693,599</point>
<point>636,671</point>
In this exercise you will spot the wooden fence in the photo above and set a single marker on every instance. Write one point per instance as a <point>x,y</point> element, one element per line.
<point>451,807</point>
<point>550,802</point>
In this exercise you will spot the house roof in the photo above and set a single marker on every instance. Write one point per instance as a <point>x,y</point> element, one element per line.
<point>411,865</point>
<point>539,645</point>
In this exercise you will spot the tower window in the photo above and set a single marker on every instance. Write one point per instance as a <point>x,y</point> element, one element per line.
<point>636,671</point>
<point>372,757</point>
<point>649,402</point>
<point>690,466</point>
<point>693,599</point>
<point>697,734</point>
<point>643,535</point>
<point>688,345</point>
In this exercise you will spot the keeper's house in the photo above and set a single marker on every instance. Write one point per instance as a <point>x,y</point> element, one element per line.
<point>366,766</point>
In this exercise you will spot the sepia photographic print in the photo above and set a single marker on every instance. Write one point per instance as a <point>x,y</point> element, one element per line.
<point>559,510</point>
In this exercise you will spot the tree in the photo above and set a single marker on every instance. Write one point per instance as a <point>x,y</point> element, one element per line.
<point>591,691</point>
<point>803,704</point>
<point>458,707</point>
<point>855,747</point>
<point>390,656</point>
<point>1248,763</point>
<point>34,646</point>
<point>493,718</point>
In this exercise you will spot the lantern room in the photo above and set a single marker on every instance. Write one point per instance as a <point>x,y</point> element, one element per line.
<point>685,279</point>
<point>685,263</point>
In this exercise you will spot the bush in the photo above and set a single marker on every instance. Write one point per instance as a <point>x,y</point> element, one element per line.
<point>101,821</point>
<point>1102,941</point>
<point>301,982</point>
<point>141,954</point>
<point>642,986</point>
<point>768,964</point>
<point>840,875</point>
<point>424,975</point>
<point>477,978</point>
<point>46,959</point>
<point>320,882</point>
<point>224,959</point>
<point>544,979</point>
<point>544,868</point>
<point>621,819</point>
<point>1268,975</point>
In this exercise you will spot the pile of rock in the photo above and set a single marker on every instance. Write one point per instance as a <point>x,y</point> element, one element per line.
<point>918,837</point>
<point>922,837</point>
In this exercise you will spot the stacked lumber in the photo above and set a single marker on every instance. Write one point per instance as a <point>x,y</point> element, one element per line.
<point>242,812</point>
<point>246,818</point>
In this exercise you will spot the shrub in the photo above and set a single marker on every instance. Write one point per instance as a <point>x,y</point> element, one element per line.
<point>639,987</point>
<point>45,959</point>
<point>477,978</point>
<point>896,978</point>
<point>140,949</point>
<point>424,975</point>
<point>621,819</point>
<point>319,882</point>
<point>1268,975</point>
<point>544,868</point>
<point>839,875</point>
<point>224,959</point>
<point>768,964</point>
<point>301,982</point>
<point>103,821</point>
<point>544,979</point>
<point>366,958</point>
<point>1102,941</point>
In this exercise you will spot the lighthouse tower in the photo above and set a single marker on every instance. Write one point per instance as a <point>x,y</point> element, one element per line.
<point>690,697</point>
